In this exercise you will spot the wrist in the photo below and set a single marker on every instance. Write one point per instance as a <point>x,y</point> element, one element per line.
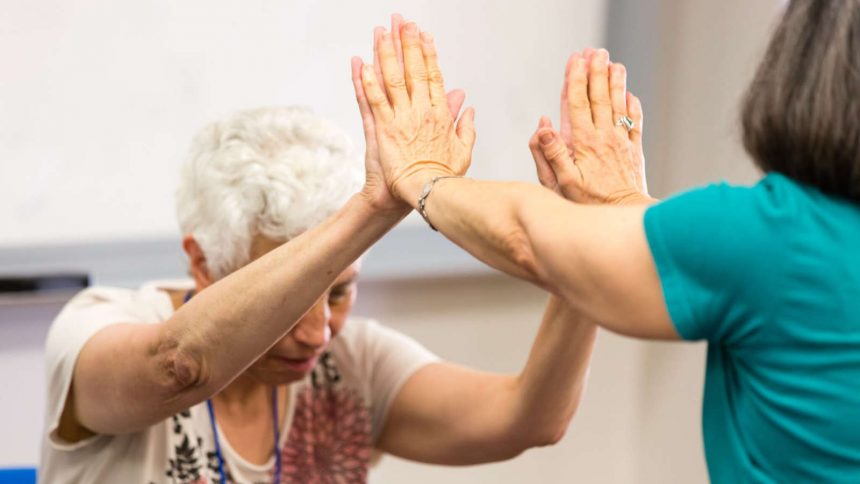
<point>369,207</point>
<point>409,187</point>
<point>632,198</point>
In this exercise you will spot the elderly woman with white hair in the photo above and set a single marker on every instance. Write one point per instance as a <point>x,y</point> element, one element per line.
<point>255,371</point>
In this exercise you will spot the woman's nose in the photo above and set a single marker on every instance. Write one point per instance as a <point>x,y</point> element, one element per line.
<point>313,329</point>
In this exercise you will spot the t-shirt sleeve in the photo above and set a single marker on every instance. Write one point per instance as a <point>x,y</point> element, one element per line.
<point>86,314</point>
<point>387,358</point>
<point>715,253</point>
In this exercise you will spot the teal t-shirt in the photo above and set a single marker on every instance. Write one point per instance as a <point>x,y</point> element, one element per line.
<point>769,275</point>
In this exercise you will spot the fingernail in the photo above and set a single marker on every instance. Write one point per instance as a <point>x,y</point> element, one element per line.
<point>411,28</point>
<point>546,138</point>
<point>603,55</point>
<point>427,37</point>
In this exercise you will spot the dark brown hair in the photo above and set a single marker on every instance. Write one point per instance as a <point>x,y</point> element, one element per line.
<point>801,115</point>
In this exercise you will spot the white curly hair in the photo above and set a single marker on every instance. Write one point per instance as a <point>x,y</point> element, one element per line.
<point>271,171</point>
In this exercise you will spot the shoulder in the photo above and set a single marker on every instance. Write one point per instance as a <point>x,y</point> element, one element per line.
<point>378,360</point>
<point>150,302</point>
<point>367,335</point>
<point>775,197</point>
<point>100,306</point>
<point>359,339</point>
<point>358,328</point>
<point>370,349</point>
<point>92,306</point>
<point>736,221</point>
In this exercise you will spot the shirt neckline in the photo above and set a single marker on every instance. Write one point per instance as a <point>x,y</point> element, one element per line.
<point>233,458</point>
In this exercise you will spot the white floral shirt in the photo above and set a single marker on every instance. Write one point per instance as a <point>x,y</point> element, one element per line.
<point>334,416</point>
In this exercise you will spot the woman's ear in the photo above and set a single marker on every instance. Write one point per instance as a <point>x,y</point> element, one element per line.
<point>197,262</point>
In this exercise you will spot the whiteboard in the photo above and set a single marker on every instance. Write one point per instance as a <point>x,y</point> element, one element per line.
<point>99,100</point>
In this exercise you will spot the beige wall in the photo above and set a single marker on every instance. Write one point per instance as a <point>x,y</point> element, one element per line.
<point>708,53</point>
<point>489,323</point>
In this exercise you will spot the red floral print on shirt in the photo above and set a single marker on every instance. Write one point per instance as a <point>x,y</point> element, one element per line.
<point>329,441</point>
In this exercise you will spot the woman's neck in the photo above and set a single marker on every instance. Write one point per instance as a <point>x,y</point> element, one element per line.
<point>243,412</point>
<point>244,396</point>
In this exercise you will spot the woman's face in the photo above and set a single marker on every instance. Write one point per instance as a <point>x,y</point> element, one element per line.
<point>296,354</point>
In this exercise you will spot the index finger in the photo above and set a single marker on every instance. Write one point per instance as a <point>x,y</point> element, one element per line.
<point>414,65</point>
<point>396,24</point>
<point>434,73</point>
<point>391,73</point>
<point>577,99</point>
<point>598,89</point>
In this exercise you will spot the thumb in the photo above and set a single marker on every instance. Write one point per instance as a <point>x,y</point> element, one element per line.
<point>544,171</point>
<point>557,155</point>
<point>466,128</point>
<point>555,151</point>
<point>455,101</point>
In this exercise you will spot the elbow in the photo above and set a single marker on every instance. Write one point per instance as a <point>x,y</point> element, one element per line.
<point>548,432</point>
<point>527,439</point>
<point>521,436</point>
<point>180,369</point>
<point>521,253</point>
<point>551,435</point>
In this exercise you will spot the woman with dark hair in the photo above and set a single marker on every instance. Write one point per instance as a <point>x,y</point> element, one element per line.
<point>769,275</point>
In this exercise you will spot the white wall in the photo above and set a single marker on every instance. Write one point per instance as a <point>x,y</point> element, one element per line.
<point>100,99</point>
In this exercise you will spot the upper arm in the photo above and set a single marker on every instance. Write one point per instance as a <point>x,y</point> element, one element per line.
<point>598,259</point>
<point>684,267</point>
<point>447,414</point>
<point>422,409</point>
<point>104,376</point>
<point>121,382</point>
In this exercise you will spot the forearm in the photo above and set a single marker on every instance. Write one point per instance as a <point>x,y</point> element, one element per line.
<point>550,387</point>
<point>222,330</point>
<point>451,415</point>
<point>238,318</point>
<point>595,257</point>
<point>487,219</point>
<point>533,408</point>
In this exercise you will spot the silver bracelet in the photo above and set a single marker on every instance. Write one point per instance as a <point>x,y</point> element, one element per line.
<point>422,200</point>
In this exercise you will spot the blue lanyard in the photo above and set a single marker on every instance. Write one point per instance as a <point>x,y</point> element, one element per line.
<point>223,476</point>
<point>277,476</point>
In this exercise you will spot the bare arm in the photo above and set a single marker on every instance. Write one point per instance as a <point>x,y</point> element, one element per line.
<point>130,376</point>
<point>448,414</point>
<point>596,258</point>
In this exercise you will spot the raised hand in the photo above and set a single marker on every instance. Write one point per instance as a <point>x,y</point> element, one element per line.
<point>416,133</point>
<point>594,158</point>
<point>375,188</point>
